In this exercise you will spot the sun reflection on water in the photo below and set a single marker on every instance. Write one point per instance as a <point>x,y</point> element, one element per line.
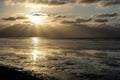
<point>34,55</point>
<point>35,41</point>
<point>37,53</point>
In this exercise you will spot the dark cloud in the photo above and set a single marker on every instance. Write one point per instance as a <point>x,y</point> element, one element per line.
<point>101,20</point>
<point>57,2</point>
<point>38,14</point>
<point>104,29</point>
<point>98,31</point>
<point>63,2</point>
<point>57,18</point>
<point>79,20</point>
<point>69,31</point>
<point>61,16</point>
<point>110,2</point>
<point>98,18</point>
<point>102,2</point>
<point>52,2</point>
<point>9,18</point>
<point>108,15</point>
<point>67,22</point>
<point>14,18</point>
<point>89,1</point>
<point>21,17</point>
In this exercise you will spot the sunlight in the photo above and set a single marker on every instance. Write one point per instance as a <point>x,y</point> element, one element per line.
<point>34,55</point>
<point>37,18</point>
<point>34,52</point>
<point>37,55</point>
<point>35,40</point>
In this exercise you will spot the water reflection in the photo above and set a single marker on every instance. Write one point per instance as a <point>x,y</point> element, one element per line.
<point>35,41</point>
<point>34,55</point>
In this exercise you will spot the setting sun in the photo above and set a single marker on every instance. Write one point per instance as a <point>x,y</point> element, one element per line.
<point>37,18</point>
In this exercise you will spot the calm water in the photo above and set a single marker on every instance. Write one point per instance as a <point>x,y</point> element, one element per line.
<point>64,59</point>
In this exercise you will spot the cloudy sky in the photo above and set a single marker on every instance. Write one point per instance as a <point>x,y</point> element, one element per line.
<point>60,18</point>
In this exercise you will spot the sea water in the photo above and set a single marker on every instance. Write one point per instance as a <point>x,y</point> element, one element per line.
<point>65,59</point>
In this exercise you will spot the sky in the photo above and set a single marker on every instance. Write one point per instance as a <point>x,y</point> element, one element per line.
<point>60,18</point>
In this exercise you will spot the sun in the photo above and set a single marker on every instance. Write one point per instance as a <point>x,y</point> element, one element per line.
<point>37,18</point>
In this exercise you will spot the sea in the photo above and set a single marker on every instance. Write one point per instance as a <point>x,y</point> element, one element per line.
<point>64,59</point>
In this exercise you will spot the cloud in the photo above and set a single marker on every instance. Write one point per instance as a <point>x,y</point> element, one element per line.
<point>67,22</point>
<point>49,2</point>
<point>101,20</point>
<point>52,2</point>
<point>47,17</point>
<point>63,2</point>
<point>9,18</point>
<point>59,16</point>
<point>107,15</point>
<point>110,2</point>
<point>63,31</point>
<point>98,31</point>
<point>97,18</point>
<point>102,2</point>
<point>38,14</point>
<point>89,1</point>
<point>79,20</point>
<point>85,21</point>
<point>20,17</point>
<point>14,18</point>
<point>45,2</point>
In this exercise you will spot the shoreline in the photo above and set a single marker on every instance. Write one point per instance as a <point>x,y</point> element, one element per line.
<point>12,73</point>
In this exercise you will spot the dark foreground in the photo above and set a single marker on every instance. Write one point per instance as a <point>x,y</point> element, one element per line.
<point>10,73</point>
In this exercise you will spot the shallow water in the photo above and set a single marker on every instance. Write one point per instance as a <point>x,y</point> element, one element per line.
<point>64,59</point>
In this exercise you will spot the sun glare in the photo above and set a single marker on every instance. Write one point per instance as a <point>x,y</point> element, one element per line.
<point>34,55</point>
<point>37,18</point>
<point>35,41</point>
